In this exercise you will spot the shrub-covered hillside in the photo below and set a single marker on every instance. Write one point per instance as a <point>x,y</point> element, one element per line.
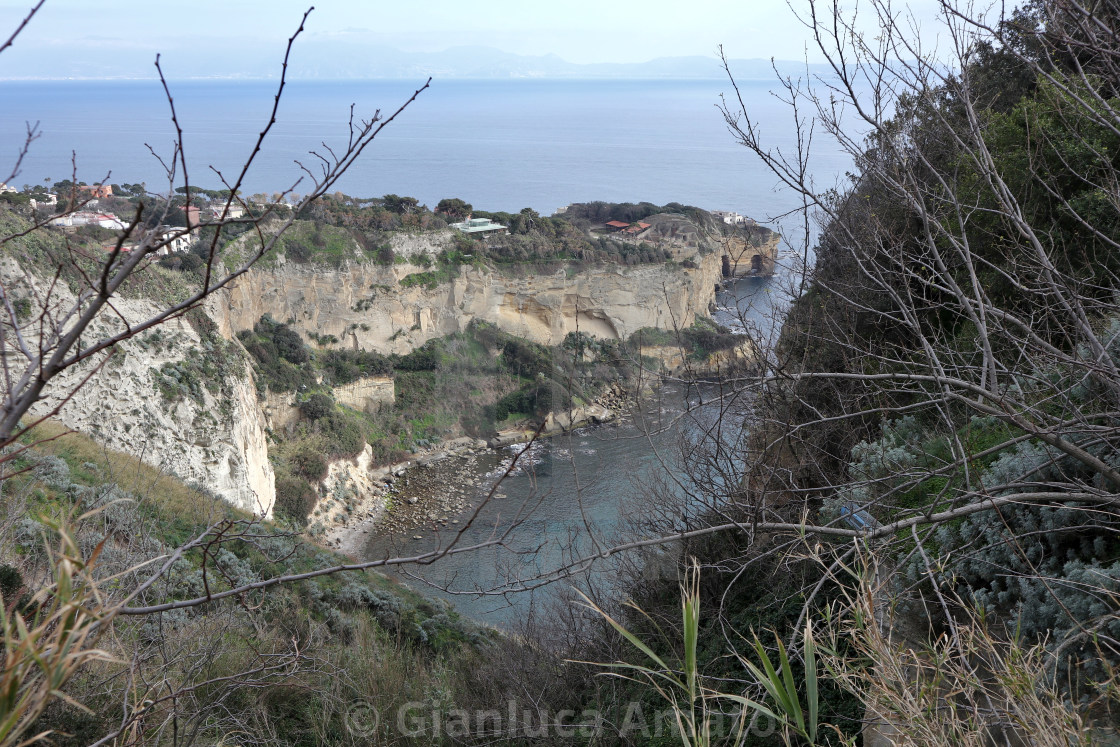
<point>937,434</point>
<point>290,661</point>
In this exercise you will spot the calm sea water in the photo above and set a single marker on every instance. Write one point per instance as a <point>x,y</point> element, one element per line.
<point>500,145</point>
<point>570,498</point>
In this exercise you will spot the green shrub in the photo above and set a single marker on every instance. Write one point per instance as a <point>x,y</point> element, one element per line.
<point>295,499</point>
<point>344,433</point>
<point>535,399</point>
<point>281,355</point>
<point>187,262</point>
<point>424,358</point>
<point>345,366</point>
<point>319,243</point>
<point>526,358</point>
<point>308,462</point>
<point>429,279</point>
<point>289,344</point>
<point>317,406</point>
<point>11,581</point>
<point>22,308</point>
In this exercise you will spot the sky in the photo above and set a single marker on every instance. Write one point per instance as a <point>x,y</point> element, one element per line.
<point>125,34</point>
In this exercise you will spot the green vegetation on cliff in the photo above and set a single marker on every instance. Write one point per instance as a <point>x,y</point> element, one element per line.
<point>946,387</point>
<point>933,464</point>
<point>342,228</point>
<point>312,650</point>
<point>470,383</point>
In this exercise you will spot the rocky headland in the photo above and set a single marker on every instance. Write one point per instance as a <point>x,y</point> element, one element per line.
<point>186,398</point>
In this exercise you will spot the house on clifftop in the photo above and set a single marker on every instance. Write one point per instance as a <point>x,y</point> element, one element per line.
<point>732,218</point>
<point>96,191</point>
<point>479,225</point>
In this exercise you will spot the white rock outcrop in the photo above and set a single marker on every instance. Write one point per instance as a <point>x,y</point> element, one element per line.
<point>406,244</point>
<point>368,394</point>
<point>351,486</point>
<point>217,439</point>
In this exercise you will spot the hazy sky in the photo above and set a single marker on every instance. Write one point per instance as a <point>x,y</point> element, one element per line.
<point>131,31</point>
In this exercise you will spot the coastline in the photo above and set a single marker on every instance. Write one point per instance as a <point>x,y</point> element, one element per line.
<point>389,489</point>
<point>348,531</point>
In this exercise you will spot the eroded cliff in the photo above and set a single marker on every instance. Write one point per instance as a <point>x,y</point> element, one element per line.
<point>365,305</point>
<point>177,401</point>
<point>187,402</point>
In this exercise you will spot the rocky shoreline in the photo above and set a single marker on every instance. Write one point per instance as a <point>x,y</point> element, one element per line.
<point>428,492</point>
<point>413,497</point>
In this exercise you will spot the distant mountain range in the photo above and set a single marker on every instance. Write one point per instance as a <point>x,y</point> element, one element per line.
<point>361,61</point>
<point>350,57</point>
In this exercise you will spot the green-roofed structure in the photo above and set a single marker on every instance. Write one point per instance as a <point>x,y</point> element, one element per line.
<point>478,225</point>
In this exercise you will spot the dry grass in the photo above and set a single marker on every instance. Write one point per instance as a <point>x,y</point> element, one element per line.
<point>165,492</point>
<point>970,686</point>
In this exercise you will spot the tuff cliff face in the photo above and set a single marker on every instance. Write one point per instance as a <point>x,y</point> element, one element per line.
<point>754,255</point>
<point>187,402</point>
<point>218,441</point>
<point>368,394</point>
<point>365,306</point>
<point>160,398</point>
<point>149,401</point>
<point>153,399</point>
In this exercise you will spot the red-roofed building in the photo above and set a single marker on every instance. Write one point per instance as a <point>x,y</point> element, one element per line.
<point>97,190</point>
<point>617,225</point>
<point>637,227</point>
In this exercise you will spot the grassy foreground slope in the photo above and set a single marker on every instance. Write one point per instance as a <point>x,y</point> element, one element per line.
<point>290,662</point>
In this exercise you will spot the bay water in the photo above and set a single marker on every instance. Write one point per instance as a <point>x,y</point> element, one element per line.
<point>544,522</point>
<point>500,145</point>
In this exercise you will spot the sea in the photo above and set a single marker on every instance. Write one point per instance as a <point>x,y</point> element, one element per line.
<point>501,146</point>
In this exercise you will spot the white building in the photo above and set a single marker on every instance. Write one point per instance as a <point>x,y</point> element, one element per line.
<point>51,201</point>
<point>5,188</point>
<point>478,225</point>
<point>174,239</point>
<point>105,220</point>
<point>731,218</point>
<point>169,239</point>
<point>233,212</point>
